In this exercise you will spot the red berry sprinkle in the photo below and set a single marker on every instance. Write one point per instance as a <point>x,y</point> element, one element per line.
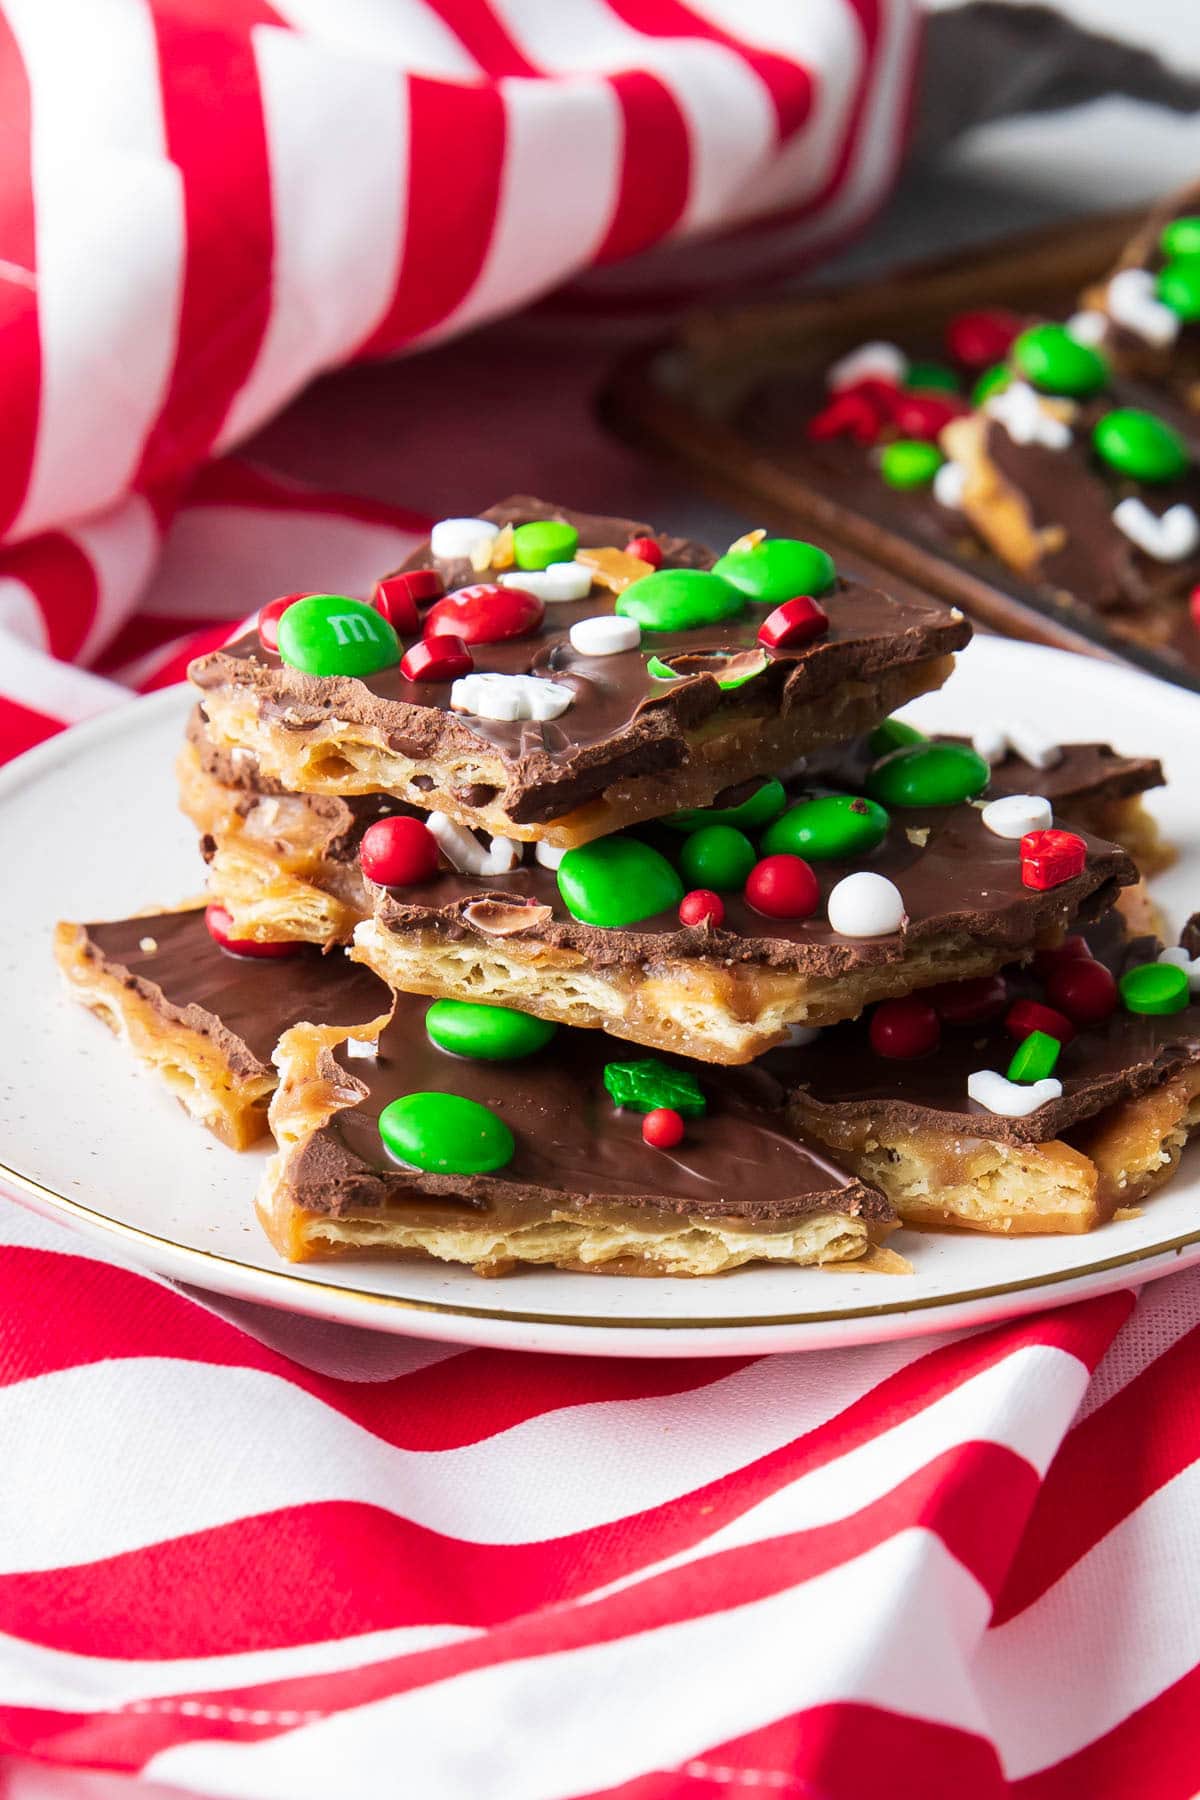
<point>398,852</point>
<point>796,622</point>
<point>963,1002</point>
<point>647,549</point>
<point>485,614</point>
<point>1025,1016</point>
<point>220,929</point>
<point>662,1129</point>
<point>1194,606</point>
<point>269,617</point>
<point>436,659</point>
<point>397,597</point>
<point>1085,990</point>
<point>925,416</point>
<point>901,1029</point>
<point>783,887</point>
<point>977,339</point>
<point>702,907</point>
<point>850,414</point>
<point>1048,858</point>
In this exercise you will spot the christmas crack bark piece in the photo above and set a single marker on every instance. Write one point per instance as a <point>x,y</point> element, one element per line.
<point>480,1136</point>
<point>1119,1089</point>
<point>666,675</point>
<point>1084,481</point>
<point>1145,314</point>
<point>782,910</point>
<point>287,866</point>
<point>202,1018</point>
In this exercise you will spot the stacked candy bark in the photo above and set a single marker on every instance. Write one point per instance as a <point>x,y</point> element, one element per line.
<point>679,952</point>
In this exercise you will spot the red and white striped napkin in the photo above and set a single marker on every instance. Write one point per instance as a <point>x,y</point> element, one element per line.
<point>243,1554</point>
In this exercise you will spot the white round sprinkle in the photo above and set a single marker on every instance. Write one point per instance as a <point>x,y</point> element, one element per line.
<point>1015,814</point>
<point>453,540</point>
<point>1132,300</point>
<point>874,361</point>
<point>605,635</point>
<point>950,484</point>
<point>1088,328</point>
<point>549,855</point>
<point>990,742</point>
<point>800,1035</point>
<point>1011,1099</point>
<point>1191,964</point>
<point>865,905</point>
<point>1168,538</point>
<point>509,697</point>
<point>553,585</point>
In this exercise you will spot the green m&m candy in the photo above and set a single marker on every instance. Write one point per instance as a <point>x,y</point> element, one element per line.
<point>646,1085</point>
<point>893,734</point>
<point>617,881</point>
<point>778,569</point>
<point>1178,286</point>
<point>1049,357</point>
<point>679,600</point>
<point>928,775</point>
<point>326,634</point>
<point>765,804</point>
<point>445,1134</point>
<point>931,377</point>
<point>1155,988</point>
<point>542,542</point>
<point>1137,444</point>
<point>718,857</point>
<point>992,381</point>
<point>1034,1057</point>
<point>490,1033</point>
<point>1181,237</point>
<point>836,825</point>
<point>910,463</point>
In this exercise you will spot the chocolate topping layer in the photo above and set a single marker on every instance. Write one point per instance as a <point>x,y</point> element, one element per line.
<point>622,721</point>
<point>243,1003</point>
<point>840,1076</point>
<point>575,1149</point>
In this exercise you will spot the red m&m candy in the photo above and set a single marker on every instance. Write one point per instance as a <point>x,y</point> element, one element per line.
<point>1048,858</point>
<point>1085,990</point>
<point>1030,1015</point>
<point>1194,606</point>
<point>398,852</point>
<point>662,1129</point>
<point>1072,949</point>
<point>436,659</point>
<point>796,622</point>
<point>269,617</point>
<point>850,414</point>
<point>646,549</point>
<point>901,1029</point>
<point>783,887</point>
<point>486,614</point>
<point>702,907</point>
<point>397,597</point>
<point>977,339</point>
<point>962,1002</point>
<point>220,929</point>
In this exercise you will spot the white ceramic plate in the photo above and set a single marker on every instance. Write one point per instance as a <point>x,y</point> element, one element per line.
<point>89,830</point>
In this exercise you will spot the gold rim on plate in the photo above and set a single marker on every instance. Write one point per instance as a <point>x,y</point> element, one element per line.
<point>76,1209</point>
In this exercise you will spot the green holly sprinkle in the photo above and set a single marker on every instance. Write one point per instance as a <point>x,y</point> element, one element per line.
<point>645,1086</point>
